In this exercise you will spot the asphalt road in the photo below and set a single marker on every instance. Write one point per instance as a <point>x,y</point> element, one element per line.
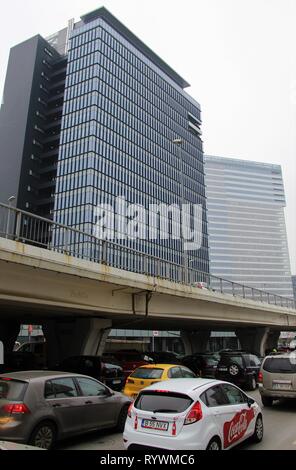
<point>279,432</point>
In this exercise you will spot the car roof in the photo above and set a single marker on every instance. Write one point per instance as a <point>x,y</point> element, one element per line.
<point>182,385</point>
<point>205,354</point>
<point>280,355</point>
<point>160,366</point>
<point>30,375</point>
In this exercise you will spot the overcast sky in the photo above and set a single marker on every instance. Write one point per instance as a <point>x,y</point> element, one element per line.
<point>238,55</point>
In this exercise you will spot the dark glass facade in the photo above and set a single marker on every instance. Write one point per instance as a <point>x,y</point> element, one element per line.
<point>121,113</point>
<point>30,123</point>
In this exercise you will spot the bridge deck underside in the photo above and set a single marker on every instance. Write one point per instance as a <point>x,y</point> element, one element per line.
<point>37,284</point>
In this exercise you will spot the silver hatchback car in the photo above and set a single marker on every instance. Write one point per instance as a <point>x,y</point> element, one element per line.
<point>39,408</point>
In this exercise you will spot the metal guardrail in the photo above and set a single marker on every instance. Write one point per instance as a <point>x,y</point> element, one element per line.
<point>22,226</point>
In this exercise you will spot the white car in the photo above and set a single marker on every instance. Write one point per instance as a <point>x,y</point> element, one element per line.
<point>192,414</point>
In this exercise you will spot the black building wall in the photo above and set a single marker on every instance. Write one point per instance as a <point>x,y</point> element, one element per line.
<point>24,120</point>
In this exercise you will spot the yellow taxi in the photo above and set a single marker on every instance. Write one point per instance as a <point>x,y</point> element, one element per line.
<point>150,374</point>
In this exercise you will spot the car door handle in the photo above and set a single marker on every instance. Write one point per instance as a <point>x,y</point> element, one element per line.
<point>88,402</point>
<point>56,405</point>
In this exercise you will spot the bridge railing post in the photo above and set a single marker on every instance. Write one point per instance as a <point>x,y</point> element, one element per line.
<point>18,225</point>
<point>158,272</point>
<point>67,242</point>
<point>104,252</point>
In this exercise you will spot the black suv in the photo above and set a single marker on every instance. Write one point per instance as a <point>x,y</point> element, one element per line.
<point>202,364</point>
<point>97,367</point>
<point>239,367</point>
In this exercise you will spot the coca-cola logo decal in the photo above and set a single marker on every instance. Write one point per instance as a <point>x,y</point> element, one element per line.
<point>235,429</point>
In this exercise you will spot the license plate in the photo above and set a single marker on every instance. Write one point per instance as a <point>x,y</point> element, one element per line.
<point>116,382</point>
<point>276,386</point>
<point>157,425</point>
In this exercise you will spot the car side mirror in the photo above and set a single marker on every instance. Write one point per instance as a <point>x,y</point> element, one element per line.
<point>250,402</point>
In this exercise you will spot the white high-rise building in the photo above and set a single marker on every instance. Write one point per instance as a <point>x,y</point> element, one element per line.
<point>246,224</point>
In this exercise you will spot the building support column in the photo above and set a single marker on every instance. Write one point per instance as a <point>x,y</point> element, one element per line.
<point>75,337</point>
<point>258,340</point>
<point>9,331</point>
<point>195,341</point>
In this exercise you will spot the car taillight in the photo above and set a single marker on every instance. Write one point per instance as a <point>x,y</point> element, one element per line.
<point>195,414</point>
<point>129,411</point>
<point>130,381</point>
<point>174,429</point>
<point>13,408</point>
<point>260,378</point>
<point>136,423</point>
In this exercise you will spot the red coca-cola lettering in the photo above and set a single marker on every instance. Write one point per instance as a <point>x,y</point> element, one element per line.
<point>235,429</point>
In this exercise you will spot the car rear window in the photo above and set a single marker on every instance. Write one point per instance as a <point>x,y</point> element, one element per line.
<point>143,373</point>
<point>12,389</point>
<point>166,402</point>
<point>279,365</point>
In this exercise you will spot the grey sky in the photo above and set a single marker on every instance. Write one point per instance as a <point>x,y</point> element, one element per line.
<point>238,55</point>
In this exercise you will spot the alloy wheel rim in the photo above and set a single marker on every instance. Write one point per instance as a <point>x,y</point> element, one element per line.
<point>233,370</point>
<point>214,446</point>
<point>259,428</point>
<point>44,437</point>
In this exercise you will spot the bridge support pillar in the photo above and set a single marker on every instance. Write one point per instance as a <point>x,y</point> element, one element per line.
<point>9,331</point>
<point>75,337</point>
<point>258,340</point>
<point>195,341</point>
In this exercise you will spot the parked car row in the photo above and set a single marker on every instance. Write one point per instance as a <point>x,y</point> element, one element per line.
<point>115,368</point>
<point>193,414</point>
<point>164,406</point>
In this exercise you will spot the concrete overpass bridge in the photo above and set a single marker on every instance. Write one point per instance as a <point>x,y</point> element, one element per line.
<point>78,297</point>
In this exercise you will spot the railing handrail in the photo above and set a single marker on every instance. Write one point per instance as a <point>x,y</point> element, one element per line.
<point>206,275</point>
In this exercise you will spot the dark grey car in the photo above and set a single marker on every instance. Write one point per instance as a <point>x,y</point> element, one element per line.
<point>40,407</point>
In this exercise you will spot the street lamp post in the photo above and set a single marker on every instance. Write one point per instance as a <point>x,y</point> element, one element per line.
<point>179,143</point>
<point>10,201</point>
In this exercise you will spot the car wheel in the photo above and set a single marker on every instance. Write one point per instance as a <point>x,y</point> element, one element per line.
<point>214,444</point>
<point>122,419</point>
<point>259,430</point>
<point>267,401</point>
<point>44,435</point>
<point>233,370</point>
<point>252,383</point>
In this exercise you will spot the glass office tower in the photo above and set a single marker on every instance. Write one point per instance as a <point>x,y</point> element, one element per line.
<point>123,109</point>
<point>247,231</point>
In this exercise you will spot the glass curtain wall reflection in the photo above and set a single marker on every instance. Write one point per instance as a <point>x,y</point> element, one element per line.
<point>121,113</point>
